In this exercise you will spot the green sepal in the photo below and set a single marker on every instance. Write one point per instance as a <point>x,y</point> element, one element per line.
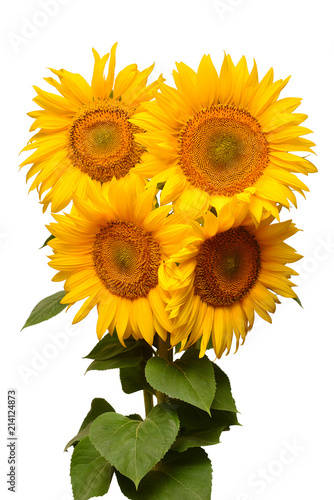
<point>223,398</point>
<point>132,446</point>
<point>111,95</point>
<point>91,474</point>
<point>177,348</point>
<point>190,379</point>
<point>120,361</point>
<point>297,299</point>
<point>133,379</point>
<point>160,185</point>
<point>46,309</point>
<point>51,237</point>
<point>185,476</point>
<point>98,407</point>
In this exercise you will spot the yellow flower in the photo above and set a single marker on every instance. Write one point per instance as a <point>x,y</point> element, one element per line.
<point>85,135</point>
<point>220,137</point>
<point>111,253</point>
<point>234,269</point>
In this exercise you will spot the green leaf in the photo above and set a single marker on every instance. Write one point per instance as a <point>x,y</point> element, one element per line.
<point>297,299</point>
<point>98,407</point>
<point>223,397</point>
<point>119,361</point>
<point>109,346</point>
<point>179,476</point>
<point>190,379</point>
<point>133,379</point>
<point>91,474</point>
<point>196,438</point>
<point>198,428</point>
<point>195,419</point>
<point>51,237</point>
<point>46,309</point>
<point>134,447</point>
<point>135,416</point>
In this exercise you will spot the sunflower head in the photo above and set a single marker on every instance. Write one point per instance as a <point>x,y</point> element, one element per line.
<point>219,137</point>
<point>85,135</point>
<point>234,269</point>
<point>112,253</point>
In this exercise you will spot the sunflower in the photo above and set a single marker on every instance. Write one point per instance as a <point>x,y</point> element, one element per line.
<point>112,252</point>
<point>85,135</point>
<point>219,137</point>
<point>233,270</point>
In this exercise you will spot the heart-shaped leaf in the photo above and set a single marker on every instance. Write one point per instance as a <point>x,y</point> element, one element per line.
<point>190,379</point>
<point>98,407</point>
<point>91,474</point>
<point>134,447</point>
<point>223,397</point>
<point>133,379</point>
<point>179,476</point>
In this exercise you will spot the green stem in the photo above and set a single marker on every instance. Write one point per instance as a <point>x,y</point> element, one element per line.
<point>148,400</point>
<point>165,352</point>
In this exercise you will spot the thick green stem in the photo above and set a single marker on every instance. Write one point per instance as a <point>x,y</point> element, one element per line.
<point>165,352</point>
<point>148,400</point>
<point>164,349</point>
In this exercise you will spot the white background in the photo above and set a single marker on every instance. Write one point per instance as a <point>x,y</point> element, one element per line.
<point>282,377</point>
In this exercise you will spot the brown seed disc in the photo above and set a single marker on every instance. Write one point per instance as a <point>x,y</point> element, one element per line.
<point>222,150</point>
<point>228,265</point>
<point>126,259</point>
<point>101,141</point>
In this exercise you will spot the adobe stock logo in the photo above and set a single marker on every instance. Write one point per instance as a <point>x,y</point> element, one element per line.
<point>321,252</point>
<point>264,477</point>
<point>41,358</point>
<point>30,27</point>
<point>225,7</point>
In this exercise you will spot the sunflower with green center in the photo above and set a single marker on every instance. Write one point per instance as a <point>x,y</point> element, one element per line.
<point>85,135</point>
<point>216,138</point>
<point>112,253</point>
<point>234,269</point>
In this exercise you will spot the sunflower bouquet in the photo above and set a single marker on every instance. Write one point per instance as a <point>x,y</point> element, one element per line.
<point>173,198</point>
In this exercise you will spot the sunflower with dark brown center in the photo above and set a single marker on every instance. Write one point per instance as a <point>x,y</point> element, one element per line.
<point>216,138</point>
<point>222,150</point>
<point>227,267</point>
<point>234,270</point>
<point>85,135</point>
<point>112,252</point>
<point>101,142</point>
<point>126,259</point>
